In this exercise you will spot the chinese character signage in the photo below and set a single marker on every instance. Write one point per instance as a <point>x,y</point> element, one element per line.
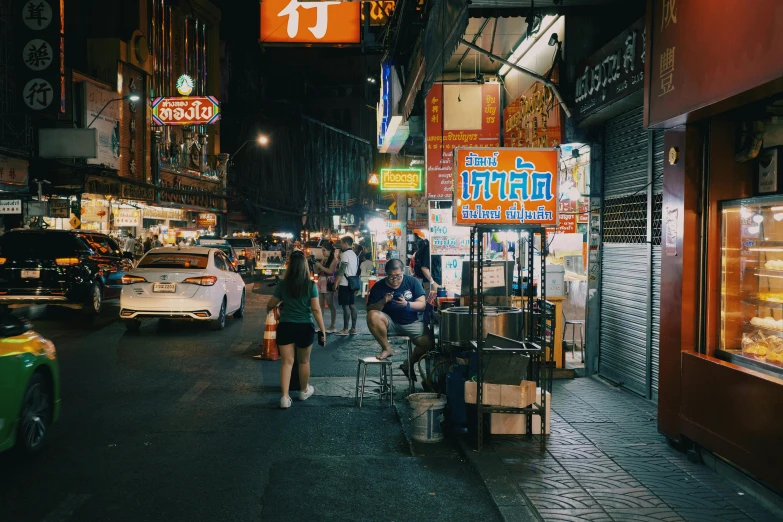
<point>295,22</point>
<point>186,110</point>
<point>612,73</point>
<point>505,186</point>
<point>700,55</point>
<point>402,180</point>
<point>533,120</point>
<point>13,171</point>
<point>10,206</point>
<point>41,53</point>
<point>445,238</point>
<point>441,140</point>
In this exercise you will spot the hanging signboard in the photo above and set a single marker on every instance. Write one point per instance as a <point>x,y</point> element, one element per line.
<point>185,110</point>
<point>380,12</point>
<point>533,119</point>
<point>445,238</point>
<point>505,186</point>
<point>295,22</point>
<point>41,54</point>
<point>10,206</point>
<point>457,116</point>
<point>13,171</point>
<point>205,220</point>
<point>127,217</point>
<point>59,208</point>
<point>394,228</point>
<point>402,180</point>
<point>105,118</point>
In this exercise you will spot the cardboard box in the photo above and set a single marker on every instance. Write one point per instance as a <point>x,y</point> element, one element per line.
<point>502,394</point>
<point>513,424</point>
<point>491,393</point>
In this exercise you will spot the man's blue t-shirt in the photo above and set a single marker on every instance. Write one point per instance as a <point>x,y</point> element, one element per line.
<point>410,288</point>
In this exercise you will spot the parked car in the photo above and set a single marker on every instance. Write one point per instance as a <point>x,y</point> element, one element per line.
<point>29,386</point>
<point>313,248</point>
<point>69,268</point>
<point>248,251</point>
<point>182,283</point>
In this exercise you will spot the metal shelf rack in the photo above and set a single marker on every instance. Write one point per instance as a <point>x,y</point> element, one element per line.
<point>539,327</point>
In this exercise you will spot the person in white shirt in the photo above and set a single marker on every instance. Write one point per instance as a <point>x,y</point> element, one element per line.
<point>349,266</point>
<point>130,245</point>
<point>366,267</point>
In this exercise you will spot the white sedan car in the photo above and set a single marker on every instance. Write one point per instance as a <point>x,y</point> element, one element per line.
<point>182,283</point>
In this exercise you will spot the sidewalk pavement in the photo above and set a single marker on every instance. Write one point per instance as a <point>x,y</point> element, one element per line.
<point>604,461</point>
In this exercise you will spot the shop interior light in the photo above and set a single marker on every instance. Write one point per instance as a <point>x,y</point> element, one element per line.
<point>745,213</point>
<point>778,216</point>
<point>758,218</point>
<point>753,230</point>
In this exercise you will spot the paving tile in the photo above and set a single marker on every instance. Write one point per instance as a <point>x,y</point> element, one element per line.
<point>616,480</point>
<point>712,515</point>
<point>573,498</point>
<point>569,515</point>
<point>534,467</point>
<point>595,428</point>
<point>577,466</point>
<point>547,481</point>
<point>699,498</point>
<point>632,498</point>
<point>644,515</point>
<point>585,451</point>
<point>632,450</point>
<point>654,465</point>
<point>674,480</point>
<point>567,439</point>
<point>612,438</point>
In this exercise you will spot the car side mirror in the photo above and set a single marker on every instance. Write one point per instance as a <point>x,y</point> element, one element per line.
<point>15,326</point>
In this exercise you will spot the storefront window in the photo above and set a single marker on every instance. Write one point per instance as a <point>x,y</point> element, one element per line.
<point>752,283</point>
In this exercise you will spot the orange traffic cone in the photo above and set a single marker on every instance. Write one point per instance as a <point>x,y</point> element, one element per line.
<point>270,351</point>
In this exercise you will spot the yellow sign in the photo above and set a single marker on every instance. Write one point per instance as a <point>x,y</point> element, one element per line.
<point>75,222</point>
<point>373,179</point>
<point>402,180</point>
<point>393,207</point>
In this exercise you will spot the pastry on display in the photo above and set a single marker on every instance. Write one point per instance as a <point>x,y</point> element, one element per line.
<point>773,297</point>
<point>774,265</point>
<point>767,322</point>
<point>755,344</point>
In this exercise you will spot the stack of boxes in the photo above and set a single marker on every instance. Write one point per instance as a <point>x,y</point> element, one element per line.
<point>511,396</point>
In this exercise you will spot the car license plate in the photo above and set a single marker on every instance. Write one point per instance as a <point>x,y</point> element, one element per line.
<point>164,287</point>
<point>267,272</point>
<point>31,274</point>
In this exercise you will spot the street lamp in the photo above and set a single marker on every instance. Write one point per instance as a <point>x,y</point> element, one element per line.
<point>262,140</point>
<point>130,97</point>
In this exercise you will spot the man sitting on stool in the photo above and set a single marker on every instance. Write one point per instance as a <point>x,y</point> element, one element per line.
<point>393,308</point>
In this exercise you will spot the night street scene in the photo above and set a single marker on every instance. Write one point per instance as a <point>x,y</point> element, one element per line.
<point>412,260</point>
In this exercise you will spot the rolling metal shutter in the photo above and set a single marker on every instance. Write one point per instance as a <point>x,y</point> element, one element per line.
<point>625,260</point>
<point>657,207</point>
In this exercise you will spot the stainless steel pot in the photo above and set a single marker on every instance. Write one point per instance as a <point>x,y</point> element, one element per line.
<point>459,327</point>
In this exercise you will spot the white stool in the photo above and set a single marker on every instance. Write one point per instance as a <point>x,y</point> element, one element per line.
<point>385,379</point>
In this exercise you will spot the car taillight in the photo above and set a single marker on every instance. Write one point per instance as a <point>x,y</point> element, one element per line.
<point>2,260</point>
<point>130,279</point>
<point>67,261</point>
<point>202,281</point>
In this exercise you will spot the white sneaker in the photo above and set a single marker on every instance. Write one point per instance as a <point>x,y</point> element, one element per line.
<point>304,395</point>
<point>285,402</point>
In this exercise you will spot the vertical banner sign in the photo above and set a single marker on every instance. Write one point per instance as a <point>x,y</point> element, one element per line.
<point>41,54</point>
<point>106,124</point>
<point>445,238</point>
<point>442,141</point>
<point>506,186</point>
<point>533,119</point>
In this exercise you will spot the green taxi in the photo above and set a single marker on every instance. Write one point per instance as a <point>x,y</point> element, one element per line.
<point>29,386</point>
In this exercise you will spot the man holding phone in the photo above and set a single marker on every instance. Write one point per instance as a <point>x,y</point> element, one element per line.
<point>393,309</point>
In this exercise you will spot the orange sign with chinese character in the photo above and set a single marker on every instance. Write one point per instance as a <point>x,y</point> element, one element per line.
<point>441,142</point>
<point>505,186</point>
<point>295,22</point>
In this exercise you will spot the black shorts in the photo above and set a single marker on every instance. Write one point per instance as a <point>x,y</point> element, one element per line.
<point>345,296</point>
<point>300,334</point>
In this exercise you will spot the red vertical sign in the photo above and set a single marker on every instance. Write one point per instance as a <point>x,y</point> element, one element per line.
<point>441,142</point>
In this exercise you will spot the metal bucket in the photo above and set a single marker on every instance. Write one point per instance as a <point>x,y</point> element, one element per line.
<point>458,327</point>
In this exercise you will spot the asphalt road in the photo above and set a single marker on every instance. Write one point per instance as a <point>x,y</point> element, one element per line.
<point>181,423</point>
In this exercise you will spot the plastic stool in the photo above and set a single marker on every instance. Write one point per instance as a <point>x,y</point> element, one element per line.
<point>385,382</point>
<point>573,325</point>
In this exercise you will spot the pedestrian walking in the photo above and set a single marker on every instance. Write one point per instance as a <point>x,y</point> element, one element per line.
<point>349,266</point>
<point>295,330</point>
<point>129,247</point>
<point>156,242</point>
<point>326,278</point>
<point>147,244</point>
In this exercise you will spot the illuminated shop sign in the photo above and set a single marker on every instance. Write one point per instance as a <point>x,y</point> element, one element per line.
<point>505,186</point>
<point>185,110</point>
<point>402,180</point>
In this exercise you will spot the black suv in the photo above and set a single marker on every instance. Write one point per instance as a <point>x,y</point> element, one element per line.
<point>72,268</point>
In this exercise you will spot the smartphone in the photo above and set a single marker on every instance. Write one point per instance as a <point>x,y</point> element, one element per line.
<point>321,338</point>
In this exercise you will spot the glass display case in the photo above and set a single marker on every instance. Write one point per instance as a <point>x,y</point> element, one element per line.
<point>752,283</point>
